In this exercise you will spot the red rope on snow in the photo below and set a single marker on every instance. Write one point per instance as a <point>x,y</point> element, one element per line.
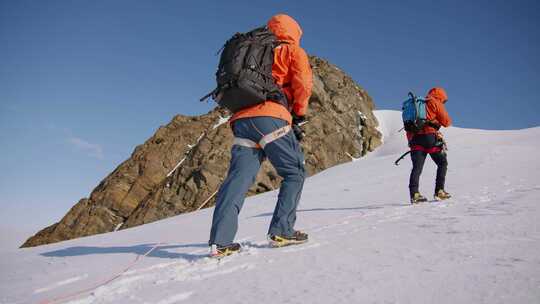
<point>105,282</point>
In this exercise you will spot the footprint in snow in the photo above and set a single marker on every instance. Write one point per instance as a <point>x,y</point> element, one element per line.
<point>61,283</point>
<point>209,271</point>
<point>176,298</point>
<point>296,248</point>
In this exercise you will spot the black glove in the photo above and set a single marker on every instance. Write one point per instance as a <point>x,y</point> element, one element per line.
<point>296,122</point>
<point>434,125</point>
<point>440,142</point>
<point>298,132</point>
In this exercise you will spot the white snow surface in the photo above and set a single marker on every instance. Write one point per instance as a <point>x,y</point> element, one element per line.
<point>221,121</point>
<point>367,244</point>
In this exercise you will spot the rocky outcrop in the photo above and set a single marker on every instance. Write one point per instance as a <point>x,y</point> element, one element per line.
<point>180,168</point>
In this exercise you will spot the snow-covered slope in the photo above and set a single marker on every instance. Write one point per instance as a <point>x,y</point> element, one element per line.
<point>367,244</point>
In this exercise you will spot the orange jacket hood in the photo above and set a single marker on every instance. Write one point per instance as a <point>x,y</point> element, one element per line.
<point>436,112</point>
<point>437,94</point>
<point>285,28</point>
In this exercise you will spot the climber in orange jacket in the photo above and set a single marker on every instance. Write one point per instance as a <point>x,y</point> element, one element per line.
<point>291,71</point>
<point>252,127</point>
<point>430,141</point>
<point>435,111</point>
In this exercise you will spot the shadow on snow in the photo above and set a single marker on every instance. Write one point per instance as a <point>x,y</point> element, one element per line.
<point>158,252</point>
<point>371,207</point>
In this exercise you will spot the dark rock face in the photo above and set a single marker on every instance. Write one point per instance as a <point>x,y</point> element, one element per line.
<point>180,168</point>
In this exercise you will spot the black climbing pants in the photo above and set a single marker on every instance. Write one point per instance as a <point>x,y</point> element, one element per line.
<point>418,158</point>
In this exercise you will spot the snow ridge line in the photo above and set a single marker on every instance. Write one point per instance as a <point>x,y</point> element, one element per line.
<point>220,122</point>
<point>207,200</point>
<point>187,153</point>
<point>138,258</point>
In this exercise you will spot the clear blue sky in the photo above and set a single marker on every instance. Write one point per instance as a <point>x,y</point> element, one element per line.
<point>83,82</point>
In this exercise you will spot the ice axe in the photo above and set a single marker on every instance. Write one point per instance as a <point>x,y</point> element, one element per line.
<point>401,157</point>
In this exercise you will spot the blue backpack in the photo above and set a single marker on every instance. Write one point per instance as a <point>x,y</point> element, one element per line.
<point>414,113</point>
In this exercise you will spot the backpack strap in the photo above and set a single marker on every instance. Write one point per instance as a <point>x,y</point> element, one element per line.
<point>265,140</point>
<point>211,94</point>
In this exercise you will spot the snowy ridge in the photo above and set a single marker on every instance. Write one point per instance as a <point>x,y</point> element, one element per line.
<point>367,244</point>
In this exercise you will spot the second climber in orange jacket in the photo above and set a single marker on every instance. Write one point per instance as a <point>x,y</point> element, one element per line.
<point>251,127</point>
<point>429,141</point>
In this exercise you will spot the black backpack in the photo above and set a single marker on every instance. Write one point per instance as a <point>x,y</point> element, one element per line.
<point>244,75</point>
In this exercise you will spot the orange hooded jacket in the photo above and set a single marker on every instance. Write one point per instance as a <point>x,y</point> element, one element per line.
<point>291,68</point>
<point>435,111</point>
